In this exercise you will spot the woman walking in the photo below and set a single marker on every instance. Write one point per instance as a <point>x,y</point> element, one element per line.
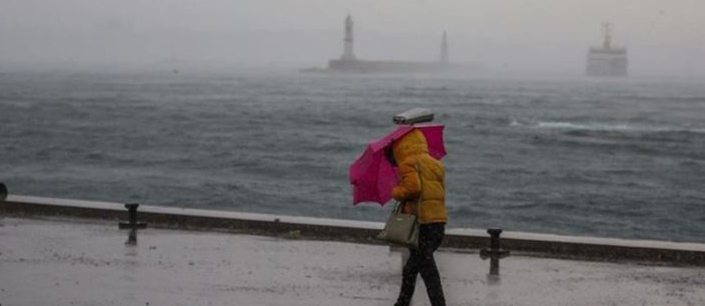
<point>421,175</point>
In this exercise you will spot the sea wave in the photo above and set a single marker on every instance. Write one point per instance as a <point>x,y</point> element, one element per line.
<point>552,157</point>
<point>612,127</point>
<point>664,98</point>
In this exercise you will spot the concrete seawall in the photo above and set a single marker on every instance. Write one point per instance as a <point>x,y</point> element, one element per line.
<point>554,246</point>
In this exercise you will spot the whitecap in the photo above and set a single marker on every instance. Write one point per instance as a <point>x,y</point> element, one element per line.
<point>613,127</point>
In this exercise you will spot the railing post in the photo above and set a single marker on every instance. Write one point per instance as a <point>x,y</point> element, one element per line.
<point>132,223</point>
<point>495,251</point>
<point>132,218</point>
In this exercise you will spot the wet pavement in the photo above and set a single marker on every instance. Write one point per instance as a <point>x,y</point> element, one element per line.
<point>87,262</point>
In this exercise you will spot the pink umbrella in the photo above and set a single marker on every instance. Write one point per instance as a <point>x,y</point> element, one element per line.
<point>373,177</point>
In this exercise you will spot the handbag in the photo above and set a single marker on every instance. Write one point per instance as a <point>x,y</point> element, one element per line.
<point>403,229</point>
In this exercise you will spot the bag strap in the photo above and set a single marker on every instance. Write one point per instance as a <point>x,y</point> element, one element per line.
<point>397,207</point>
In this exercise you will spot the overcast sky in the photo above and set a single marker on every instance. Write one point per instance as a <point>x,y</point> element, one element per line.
<point>662,36</point>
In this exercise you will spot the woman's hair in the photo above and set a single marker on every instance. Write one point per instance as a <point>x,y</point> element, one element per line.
<point>389,153</point>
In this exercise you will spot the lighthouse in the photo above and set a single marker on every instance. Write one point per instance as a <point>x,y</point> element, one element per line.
<point>349,63</point>
<point>444,49</point>
<point>348,54</point>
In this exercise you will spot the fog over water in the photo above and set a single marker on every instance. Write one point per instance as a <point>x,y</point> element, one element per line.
<point>664,38</point>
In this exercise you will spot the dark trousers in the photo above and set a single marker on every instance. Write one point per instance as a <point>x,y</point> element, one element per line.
<point>421,262</point>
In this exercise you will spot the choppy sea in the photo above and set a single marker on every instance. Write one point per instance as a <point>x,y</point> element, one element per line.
<point>590,157</point>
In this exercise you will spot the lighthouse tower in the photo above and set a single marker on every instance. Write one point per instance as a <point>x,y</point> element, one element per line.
<point>444,49</point>
<point>348,54</point>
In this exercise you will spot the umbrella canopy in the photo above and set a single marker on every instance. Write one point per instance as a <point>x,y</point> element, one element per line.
<point>373,177</point>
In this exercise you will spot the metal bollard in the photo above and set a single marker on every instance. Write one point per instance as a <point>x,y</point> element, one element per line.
<point>132,237</point>
<point>495,252</point>
<point>3,192</point>
<point>132,214</point>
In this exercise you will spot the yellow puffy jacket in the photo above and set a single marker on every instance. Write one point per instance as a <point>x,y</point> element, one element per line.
<point>411,155</point>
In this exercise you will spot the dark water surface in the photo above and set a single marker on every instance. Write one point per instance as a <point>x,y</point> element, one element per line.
<point>615,158</point>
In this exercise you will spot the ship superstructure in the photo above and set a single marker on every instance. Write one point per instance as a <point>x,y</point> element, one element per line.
<point>607,60</point>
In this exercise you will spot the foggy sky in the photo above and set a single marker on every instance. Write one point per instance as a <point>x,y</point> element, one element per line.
<point>663,37</point>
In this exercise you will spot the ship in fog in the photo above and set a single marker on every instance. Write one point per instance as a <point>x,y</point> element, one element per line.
<point>348,62</point>
<point>607,61</point>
